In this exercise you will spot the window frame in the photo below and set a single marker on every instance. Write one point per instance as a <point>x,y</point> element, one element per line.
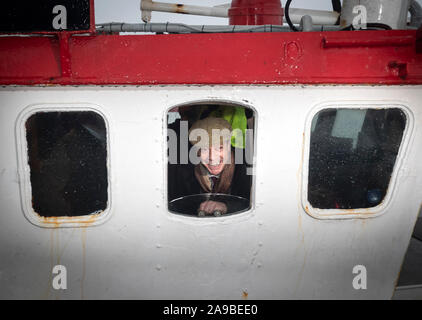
<point>24,168</point>
<point>360,213</point>
<point>244,215</point>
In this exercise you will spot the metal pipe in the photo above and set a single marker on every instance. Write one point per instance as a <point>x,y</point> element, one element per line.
<point>306,24</point>
<point>183,28</point>
<point>319,17</point>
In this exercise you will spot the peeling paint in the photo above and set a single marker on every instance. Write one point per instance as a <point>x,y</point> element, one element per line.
<point>179,8</point>
<point>82,221</point>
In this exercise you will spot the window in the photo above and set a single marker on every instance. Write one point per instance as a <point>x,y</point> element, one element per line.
<point>352,154</point>
<point>67,158</point>
<point>210,176</point>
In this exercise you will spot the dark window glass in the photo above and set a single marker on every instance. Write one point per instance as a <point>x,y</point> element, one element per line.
<point>352,155</point>
<point>67,155</point>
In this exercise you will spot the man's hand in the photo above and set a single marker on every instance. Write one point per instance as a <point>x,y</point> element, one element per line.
<point>210,206</point>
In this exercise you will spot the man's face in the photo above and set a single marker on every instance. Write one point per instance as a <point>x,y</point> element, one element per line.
<point>215,157</point>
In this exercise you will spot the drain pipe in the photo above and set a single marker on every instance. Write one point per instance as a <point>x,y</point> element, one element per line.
<point>306,24</point>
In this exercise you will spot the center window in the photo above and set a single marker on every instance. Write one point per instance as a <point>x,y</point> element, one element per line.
<point>210,159</point>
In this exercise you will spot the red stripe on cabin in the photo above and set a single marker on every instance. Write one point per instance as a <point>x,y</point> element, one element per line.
<point>343,57</point>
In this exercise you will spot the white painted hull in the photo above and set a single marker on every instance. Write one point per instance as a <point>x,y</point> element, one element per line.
<point>274,251</point>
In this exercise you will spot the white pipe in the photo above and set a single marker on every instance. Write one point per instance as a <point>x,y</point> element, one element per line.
<point>319,17</point>
<point>306,24</point>
<point>148,5</point>
<point>182,28</point>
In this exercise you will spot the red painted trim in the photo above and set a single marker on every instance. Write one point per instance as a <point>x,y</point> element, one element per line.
<point>256,12</point>
<point>92,16</point>
<point>358,57</point>
<point>65,57</point>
